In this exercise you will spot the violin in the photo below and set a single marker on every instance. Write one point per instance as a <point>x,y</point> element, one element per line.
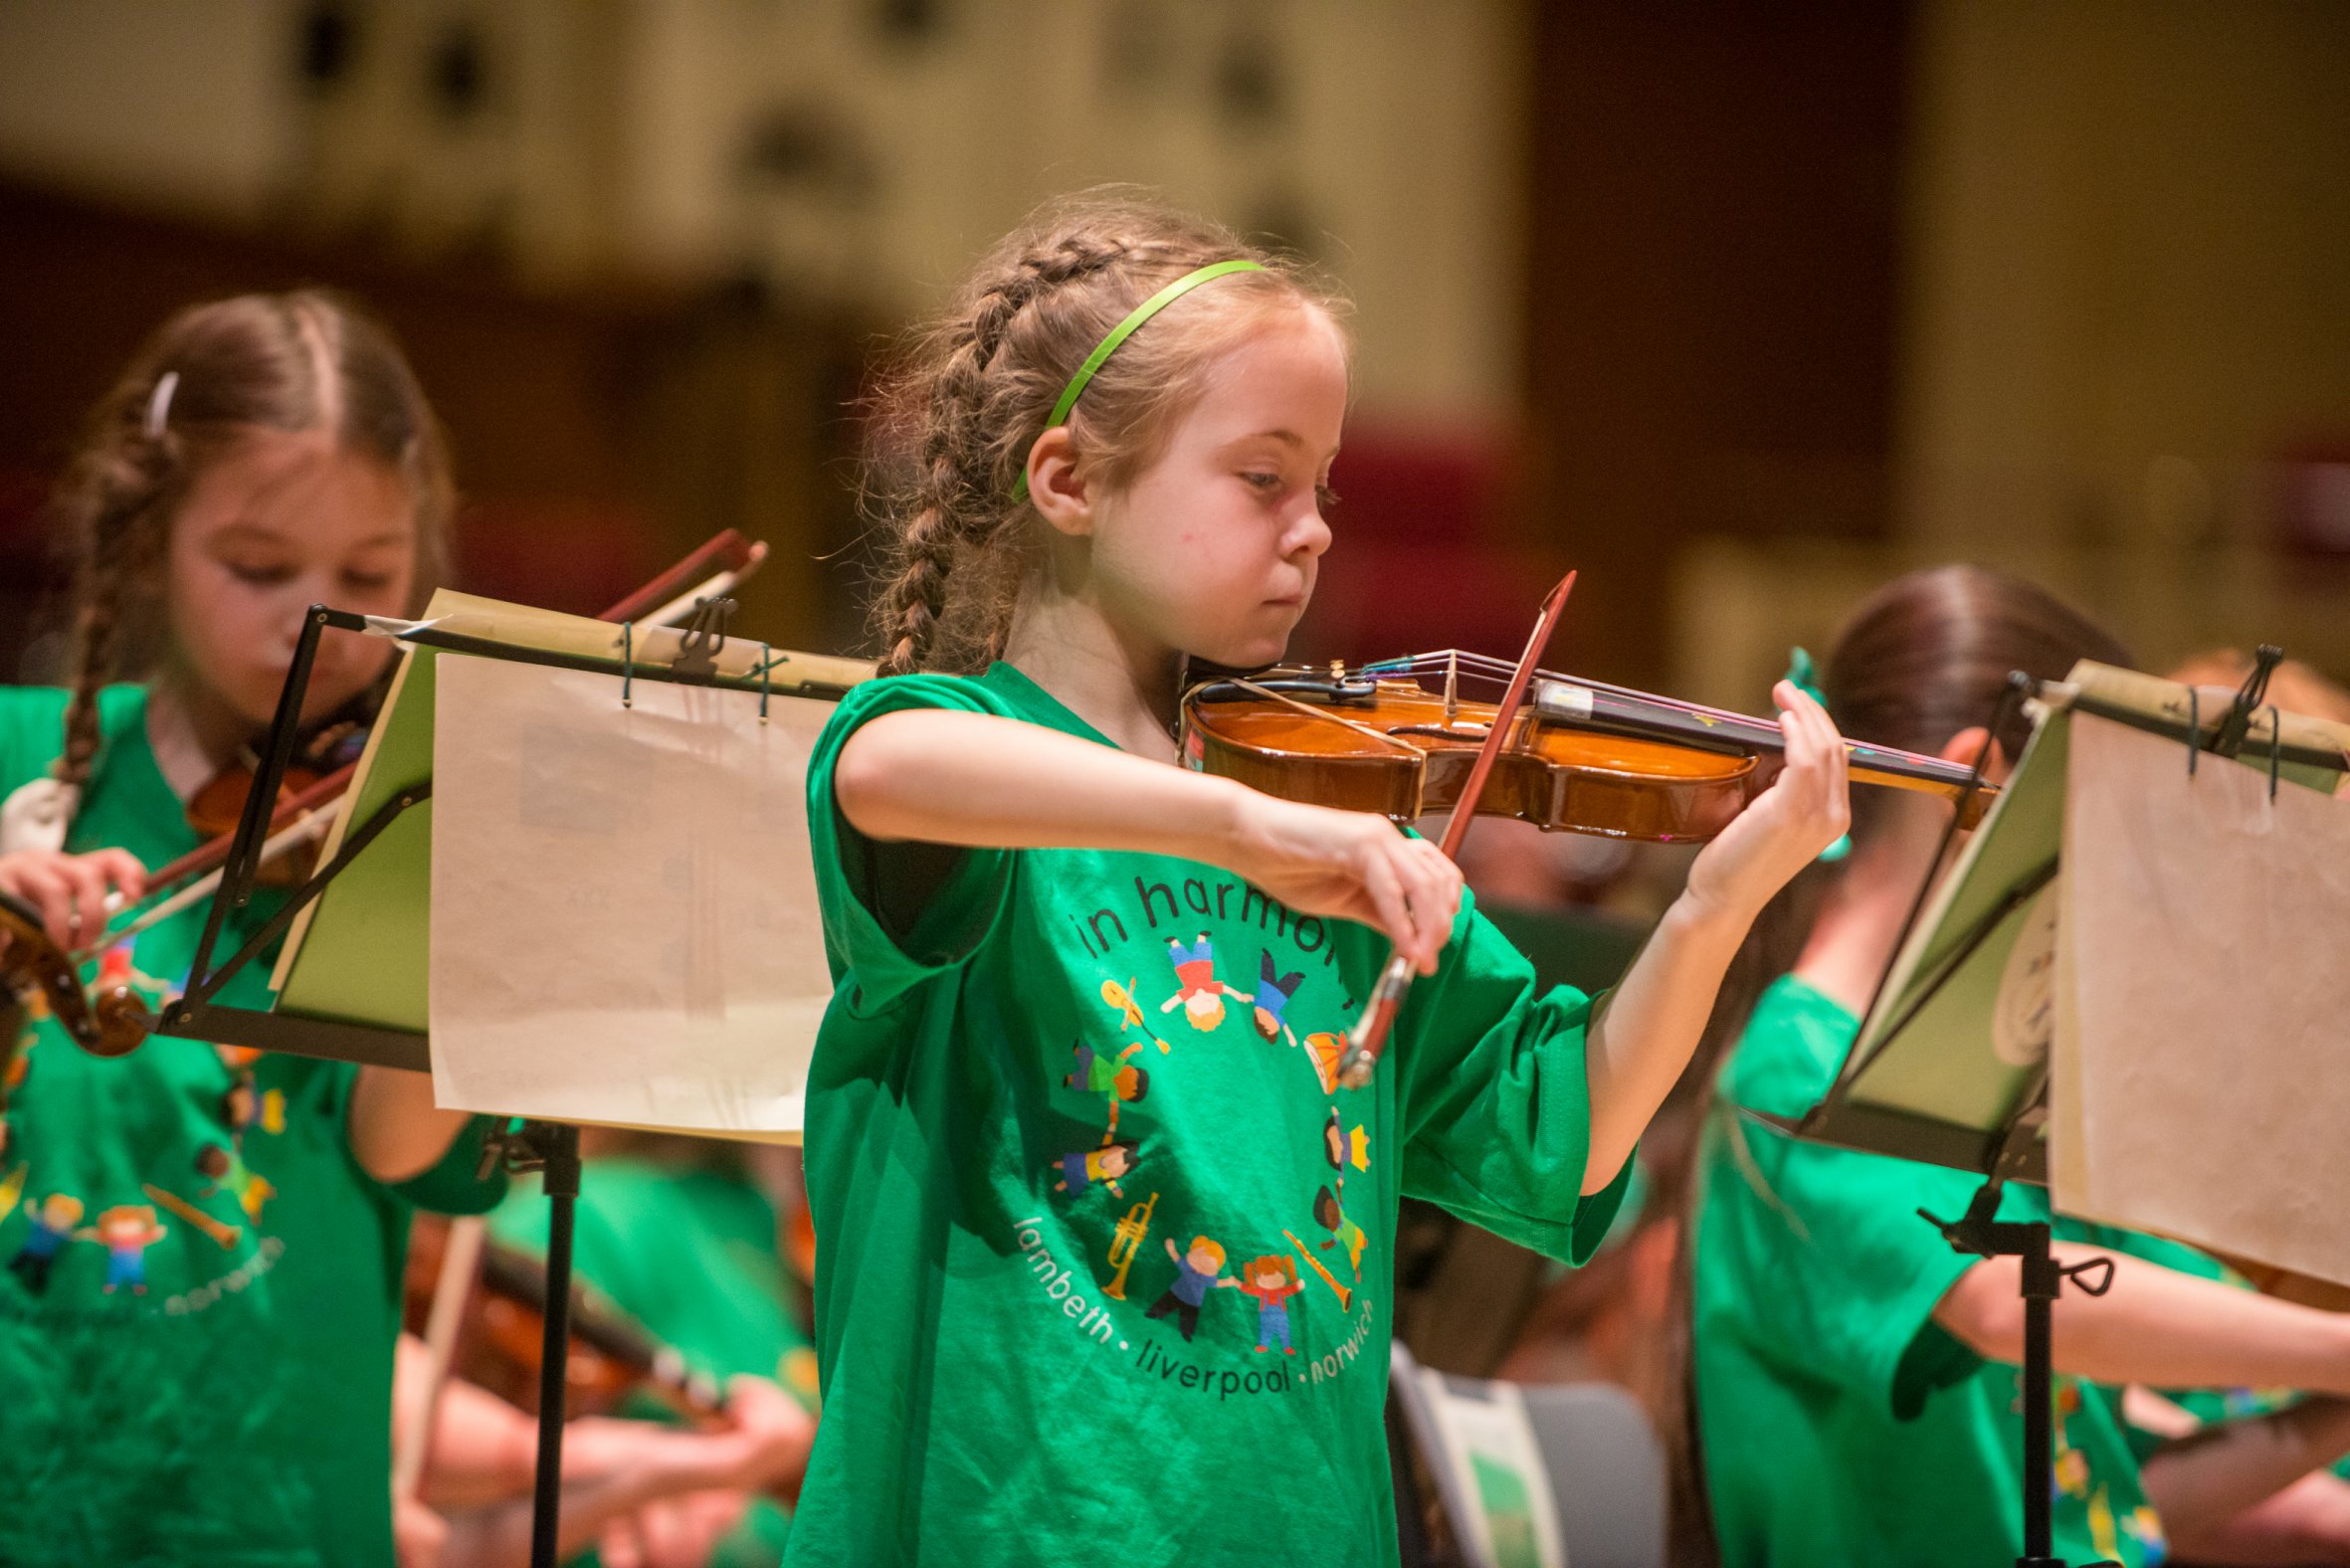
<point>1580,756</point>
<point>328,748</point>
<point>611,1354</point>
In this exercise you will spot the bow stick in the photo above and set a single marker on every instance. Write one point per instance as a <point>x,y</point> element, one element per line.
<point>1369,1035</point>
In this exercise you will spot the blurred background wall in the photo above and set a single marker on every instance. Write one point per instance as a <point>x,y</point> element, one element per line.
<point>1738,312</point>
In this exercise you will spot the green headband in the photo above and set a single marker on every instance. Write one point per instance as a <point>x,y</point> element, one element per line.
<point>1119,334</point>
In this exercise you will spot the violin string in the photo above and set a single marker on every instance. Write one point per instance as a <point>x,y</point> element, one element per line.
<point>1502,669</point>
<point>1893,758</point>
<point>1310,711</point>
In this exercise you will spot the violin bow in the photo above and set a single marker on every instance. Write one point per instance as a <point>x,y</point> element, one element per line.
<point>715,568</point>
<point>1369,1036</point>
<point>460,1267</point>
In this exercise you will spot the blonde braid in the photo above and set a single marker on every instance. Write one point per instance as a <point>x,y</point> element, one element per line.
<point>957,504</point>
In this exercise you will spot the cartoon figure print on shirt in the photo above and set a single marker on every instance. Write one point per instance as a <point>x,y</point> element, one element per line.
<point>53,1219</point>
<point>1101,1073</point>
<point>1088,1167</point>
<point>1272,1281</point>
<point>126,1231</point>
<point>1197,1271</point>
<point>1273,991</point>
<point>1198,992</point>
<point>1176,1264</point>
<point>187,1236</point>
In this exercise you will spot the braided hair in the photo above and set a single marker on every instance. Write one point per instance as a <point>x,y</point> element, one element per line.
<point>977,384</point>
<point>293,362</point>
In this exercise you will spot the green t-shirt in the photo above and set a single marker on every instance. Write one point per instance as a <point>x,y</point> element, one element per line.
<point>692,1255</point>
<point>1840,1423</point>
<point>201,1287</point>
<point>1021,1364</point>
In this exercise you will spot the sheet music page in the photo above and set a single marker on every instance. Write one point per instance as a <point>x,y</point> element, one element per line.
<point>2204,1002</point>
<point>624,917</point>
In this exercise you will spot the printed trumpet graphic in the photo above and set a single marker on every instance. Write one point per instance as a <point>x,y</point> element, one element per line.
<point>1125,1244</point>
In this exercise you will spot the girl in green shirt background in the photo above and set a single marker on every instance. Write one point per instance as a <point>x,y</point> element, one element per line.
<point>1855,1387</point>
<point>1011,870</point>
<point>197,1319</point>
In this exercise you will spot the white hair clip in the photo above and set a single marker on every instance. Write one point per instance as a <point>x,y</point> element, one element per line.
<point>159,403</point>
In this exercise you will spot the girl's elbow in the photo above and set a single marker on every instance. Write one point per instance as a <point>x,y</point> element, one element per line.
<point>1982,1315</point>
<point>861,777</point>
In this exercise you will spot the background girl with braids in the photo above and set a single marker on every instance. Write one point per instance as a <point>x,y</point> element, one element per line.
<point>1000,831</point>
<point>262,454</point>
<point>1856,1379</point>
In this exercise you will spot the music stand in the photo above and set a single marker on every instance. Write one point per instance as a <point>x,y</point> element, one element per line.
<point>549,1147</point>
<point>1918,1082</point>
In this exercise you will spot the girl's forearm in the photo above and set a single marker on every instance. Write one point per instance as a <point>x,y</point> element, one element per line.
<point>995,783</point>
<point>2156,1327</point>
<point>1648,1026</point>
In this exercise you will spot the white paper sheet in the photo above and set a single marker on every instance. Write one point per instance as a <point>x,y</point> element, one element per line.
<point>2202,1053</point>
<point>624,925</point>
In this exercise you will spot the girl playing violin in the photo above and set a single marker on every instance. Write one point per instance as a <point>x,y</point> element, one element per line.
<point>1117,443</point>
<point>206,1381</point>
<point>1855,1378</point>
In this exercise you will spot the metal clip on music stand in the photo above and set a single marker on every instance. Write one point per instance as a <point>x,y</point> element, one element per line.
<point>549,1147</point>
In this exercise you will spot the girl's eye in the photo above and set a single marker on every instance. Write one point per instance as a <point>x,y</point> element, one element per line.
<point>1325,496</point>
<point>366,582</point>
<point>1263,481</point>
<point>261,574</point>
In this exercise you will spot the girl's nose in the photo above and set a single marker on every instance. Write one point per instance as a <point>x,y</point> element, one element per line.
<point>1310,534</point>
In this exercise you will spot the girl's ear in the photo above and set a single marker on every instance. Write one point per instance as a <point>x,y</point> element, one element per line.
<point>1962,747</point>
<point>1061,495</point>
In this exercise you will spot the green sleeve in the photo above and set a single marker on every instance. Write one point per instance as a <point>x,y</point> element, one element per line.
<point>1493,1101</point>
<point>454,1185</point>
<point>1858,1285</point>
<point>895,915</point>
<point>32,733</point>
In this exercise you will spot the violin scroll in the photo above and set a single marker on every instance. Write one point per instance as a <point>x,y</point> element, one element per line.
<point>109,1021</point>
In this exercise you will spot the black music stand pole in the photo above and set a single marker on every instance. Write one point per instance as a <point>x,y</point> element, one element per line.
<point>553,1149</point>
<point>2041,1281</point>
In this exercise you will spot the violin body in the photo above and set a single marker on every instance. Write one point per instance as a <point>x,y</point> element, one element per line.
<point>1577,757</point>
<point>1583,781</point>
